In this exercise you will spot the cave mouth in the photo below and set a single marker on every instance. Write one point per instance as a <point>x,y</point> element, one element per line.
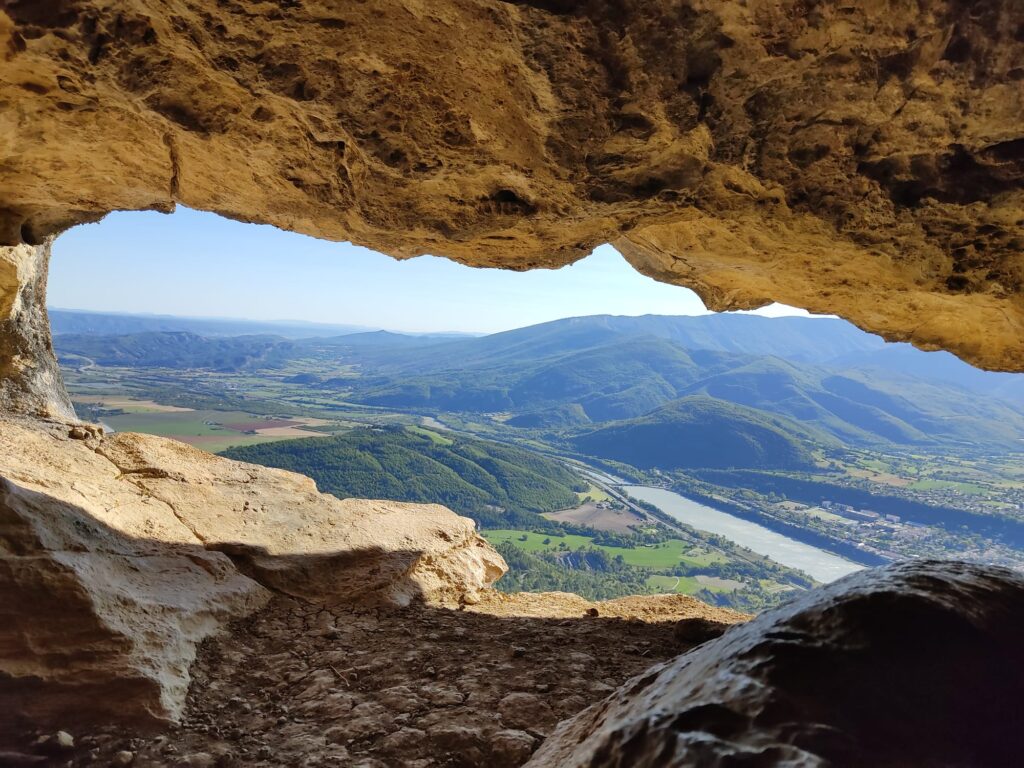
<point>749,393</point>
<point>346,683</point>
<point>826,157</point>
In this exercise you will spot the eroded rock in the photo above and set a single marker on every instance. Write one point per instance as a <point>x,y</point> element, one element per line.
<point>835,156</point>
<point>403,687</point>
<point>30,380</point>
<point>118,554</point>
<point>912,664</point>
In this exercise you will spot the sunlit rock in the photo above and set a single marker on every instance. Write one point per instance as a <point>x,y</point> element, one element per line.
<point>839,157</point>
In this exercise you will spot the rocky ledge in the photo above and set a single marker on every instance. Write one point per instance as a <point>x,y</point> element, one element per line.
<point>118,554</point>
<point>300,684</point>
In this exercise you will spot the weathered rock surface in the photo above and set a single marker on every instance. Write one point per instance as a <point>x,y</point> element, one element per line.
<point>30,380</point>
<point>416,687</point>
<point>859,158</point>
<point>913,664</point>
<point>118,554</point>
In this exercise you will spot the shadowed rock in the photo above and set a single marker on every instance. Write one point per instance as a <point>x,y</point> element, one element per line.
<point>912,664</point>
<point>119,554</point>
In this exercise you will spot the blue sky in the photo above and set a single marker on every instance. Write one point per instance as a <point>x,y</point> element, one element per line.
<point>199,264</point>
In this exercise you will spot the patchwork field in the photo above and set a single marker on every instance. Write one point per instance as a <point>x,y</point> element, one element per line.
<point>667,554</point>
<point>210,430</point>
<point>130,404</point>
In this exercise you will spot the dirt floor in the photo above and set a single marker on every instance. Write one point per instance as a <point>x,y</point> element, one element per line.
<point>303,685</point>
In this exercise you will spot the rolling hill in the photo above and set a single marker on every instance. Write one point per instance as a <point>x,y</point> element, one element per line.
<point>701,432</point>
<point>178,349</point>
<point>559,385</point>
<point>495,484</point>
<point>825,374</point>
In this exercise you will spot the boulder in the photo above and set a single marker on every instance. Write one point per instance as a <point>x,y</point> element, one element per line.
<point>118,554</point>
<point>918,663</point>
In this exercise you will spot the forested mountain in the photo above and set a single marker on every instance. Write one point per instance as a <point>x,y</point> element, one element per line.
<point>699,431</point>
<point>493,483</point>
<point>623,378</point>
<point>794,338</point>
<point>568,374</point>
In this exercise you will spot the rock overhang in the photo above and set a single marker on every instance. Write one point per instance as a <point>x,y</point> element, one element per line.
<point>845,159</point>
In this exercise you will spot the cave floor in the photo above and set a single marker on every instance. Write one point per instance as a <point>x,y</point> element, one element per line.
<point>301,684</point>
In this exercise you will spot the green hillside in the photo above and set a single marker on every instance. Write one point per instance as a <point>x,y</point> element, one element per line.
<point>496,484</point>
<point>701,432</point>
<point>562,375</point>
<point>627,378</point>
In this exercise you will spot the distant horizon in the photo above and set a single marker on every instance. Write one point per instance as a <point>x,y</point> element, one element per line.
<point>292,322</point>
<point>200,265</point>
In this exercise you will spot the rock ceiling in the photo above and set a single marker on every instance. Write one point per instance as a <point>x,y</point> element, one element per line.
<point>864,159</point>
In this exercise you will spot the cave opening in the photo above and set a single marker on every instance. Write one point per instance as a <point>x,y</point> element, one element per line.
<point>820,447</point>
<point>245,546</point>
<point>693,469</point>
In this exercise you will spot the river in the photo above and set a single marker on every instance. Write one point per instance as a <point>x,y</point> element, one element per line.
<point>820,564</point>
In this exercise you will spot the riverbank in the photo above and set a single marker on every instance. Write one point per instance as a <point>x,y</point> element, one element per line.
<point>819,563</point>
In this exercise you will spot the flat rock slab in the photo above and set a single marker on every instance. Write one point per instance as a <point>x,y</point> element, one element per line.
<point>118,554</point>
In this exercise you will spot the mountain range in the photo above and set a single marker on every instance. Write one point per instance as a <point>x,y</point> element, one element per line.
<point>597,379</point>
<point>824,374</point>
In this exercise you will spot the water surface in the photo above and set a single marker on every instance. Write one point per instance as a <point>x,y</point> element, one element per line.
<point>819,563</point>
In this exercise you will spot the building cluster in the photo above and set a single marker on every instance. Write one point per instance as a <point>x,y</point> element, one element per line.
<point>860,515</point>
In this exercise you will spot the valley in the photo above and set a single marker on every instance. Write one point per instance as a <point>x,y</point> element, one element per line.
<point>807,429</point>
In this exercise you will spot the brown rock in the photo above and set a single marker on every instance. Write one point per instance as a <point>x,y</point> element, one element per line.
<point>119,554</point>
<point>525,710</point>
<point>406,743</point>
<point>912,664</point>
<point>837,158</point>
<point>463,741</point>
<point>30,380</point>
<point>697,630</point>
<point>511,748</point>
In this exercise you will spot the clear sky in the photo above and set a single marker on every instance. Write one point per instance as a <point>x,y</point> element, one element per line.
<point>201,265</point>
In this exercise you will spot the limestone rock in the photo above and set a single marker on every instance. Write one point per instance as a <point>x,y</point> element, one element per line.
<point>844,157</point>
<point>104,593</point>
<point>912,664</point>
<point>119,554</point>
<point>30,380</point>
<point>284,533</point>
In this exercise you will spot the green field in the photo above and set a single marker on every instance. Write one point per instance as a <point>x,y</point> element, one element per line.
<point>595,494</point>
<point>681,585</point>
<point>436,438</point>
<point>936,485</point>
<point>668,554</point>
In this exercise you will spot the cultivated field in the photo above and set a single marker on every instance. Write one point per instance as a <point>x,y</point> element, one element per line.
<point>600,518</point>
<point>207,429</point>
<point>667,554</point>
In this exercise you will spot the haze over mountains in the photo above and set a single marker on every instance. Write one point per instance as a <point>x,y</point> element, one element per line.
<point>74,321</point>
<point>771,383</point>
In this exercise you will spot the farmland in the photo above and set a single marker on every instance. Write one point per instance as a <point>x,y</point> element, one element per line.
<point>211,430</point>
<point>667,554</point>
